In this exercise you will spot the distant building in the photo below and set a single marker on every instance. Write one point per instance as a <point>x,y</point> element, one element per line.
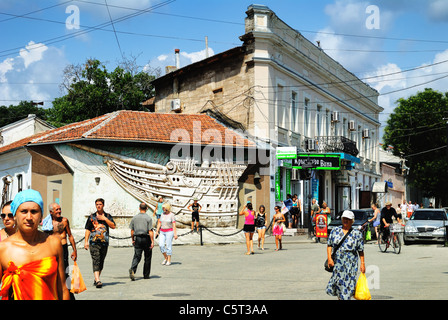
<point>284,90</point>
<point>14,167</point>
<point>394,174</point>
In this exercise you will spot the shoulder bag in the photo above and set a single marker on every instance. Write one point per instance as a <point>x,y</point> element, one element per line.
<point>333,255</point>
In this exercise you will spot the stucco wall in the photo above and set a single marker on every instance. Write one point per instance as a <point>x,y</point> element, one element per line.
<point>86,166</point>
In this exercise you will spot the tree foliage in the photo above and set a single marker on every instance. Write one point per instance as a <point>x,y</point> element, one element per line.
<point>22,110</point>
<point>93,91</point>
<point>417,131</point>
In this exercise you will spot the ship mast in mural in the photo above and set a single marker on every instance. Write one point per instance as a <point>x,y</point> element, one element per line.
<point>178,182</point>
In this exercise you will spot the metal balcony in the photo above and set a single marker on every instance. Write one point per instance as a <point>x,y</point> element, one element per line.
<point>330,144</point>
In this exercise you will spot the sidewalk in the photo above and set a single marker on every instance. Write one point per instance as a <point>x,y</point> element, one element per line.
<point>211,271</point>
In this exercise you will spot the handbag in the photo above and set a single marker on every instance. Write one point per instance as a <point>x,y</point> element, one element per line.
<point>333,255</point>
<point>362,291</point>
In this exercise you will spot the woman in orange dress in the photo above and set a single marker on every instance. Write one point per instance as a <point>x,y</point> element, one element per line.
<point>31,262</point>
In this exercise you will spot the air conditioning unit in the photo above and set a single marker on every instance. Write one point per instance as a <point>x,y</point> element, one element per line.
<point>351,125</point>
<point>335,116</point>
<point>311,144</point>
<point>175,105</point>
<point>365,134</point>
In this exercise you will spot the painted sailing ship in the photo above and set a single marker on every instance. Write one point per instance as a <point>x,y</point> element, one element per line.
<point>179,182</point>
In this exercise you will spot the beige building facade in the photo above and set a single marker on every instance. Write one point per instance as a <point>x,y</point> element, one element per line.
<point>287,92</point>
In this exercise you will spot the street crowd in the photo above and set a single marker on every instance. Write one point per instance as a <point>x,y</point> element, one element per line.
<point>39,247</point>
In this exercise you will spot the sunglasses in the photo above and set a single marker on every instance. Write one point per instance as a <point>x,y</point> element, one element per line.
<point>10,215</point>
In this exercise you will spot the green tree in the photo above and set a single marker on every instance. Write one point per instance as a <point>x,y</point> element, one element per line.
<point>417,131</point>
<point>93,91</point>
<point>22,110</point>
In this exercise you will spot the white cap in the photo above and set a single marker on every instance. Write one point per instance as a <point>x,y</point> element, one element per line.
<point>348,214</point>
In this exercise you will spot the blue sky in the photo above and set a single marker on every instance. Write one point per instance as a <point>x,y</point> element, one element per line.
<point>39,41</point>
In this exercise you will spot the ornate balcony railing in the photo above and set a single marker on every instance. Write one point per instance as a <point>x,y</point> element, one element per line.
<point>332,144</point>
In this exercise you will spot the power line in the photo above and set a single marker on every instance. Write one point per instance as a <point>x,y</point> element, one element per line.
<point>418,153</point>
<point>35,11</point>
<point>210,20</point>
<point>81,32</point>
<point>297,30</point>
<point>113,27</point>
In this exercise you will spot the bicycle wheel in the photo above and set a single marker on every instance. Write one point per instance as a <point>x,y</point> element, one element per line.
<point>381,243</point>
<point>396,243</point>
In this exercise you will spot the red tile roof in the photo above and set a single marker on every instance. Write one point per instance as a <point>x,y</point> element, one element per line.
<point>141,126</point>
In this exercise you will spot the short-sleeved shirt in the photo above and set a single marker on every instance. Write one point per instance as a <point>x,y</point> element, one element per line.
<point>141,224</point>
<point>166,221</point>
<point>387,215</point>
<point>315,208</point>
<point>99,230</point>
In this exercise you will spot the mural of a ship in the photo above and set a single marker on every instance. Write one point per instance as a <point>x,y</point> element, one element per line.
<point>215,185</point>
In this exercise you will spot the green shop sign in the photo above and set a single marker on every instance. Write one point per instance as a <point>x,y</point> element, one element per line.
<point>317,162</point>
<point>286,152</point>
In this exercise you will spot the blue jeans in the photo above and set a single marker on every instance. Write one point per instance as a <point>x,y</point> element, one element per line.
<point>166,242</point>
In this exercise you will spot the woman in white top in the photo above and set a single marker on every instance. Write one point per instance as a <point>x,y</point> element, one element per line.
<point>166,227</point>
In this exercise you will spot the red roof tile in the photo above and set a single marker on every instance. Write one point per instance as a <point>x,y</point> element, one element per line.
<point>141,126</point>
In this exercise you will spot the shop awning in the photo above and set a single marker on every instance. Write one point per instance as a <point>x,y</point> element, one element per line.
<point>347,157</point>
<point>379,187</point>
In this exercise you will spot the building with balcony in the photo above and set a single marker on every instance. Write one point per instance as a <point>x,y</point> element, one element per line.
<point>286,91</point>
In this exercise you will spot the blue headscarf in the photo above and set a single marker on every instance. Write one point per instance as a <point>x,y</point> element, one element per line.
<point>28,195</point>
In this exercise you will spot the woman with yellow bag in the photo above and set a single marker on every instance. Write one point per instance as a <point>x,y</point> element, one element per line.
<point>345,261</point>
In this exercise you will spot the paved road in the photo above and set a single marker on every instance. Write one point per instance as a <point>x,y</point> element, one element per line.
<point>223,272</point>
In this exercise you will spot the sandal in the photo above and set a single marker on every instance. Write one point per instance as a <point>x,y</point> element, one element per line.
<point>99,284</point>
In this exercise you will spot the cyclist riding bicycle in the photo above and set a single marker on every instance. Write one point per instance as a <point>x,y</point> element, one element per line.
<point>386,219</point>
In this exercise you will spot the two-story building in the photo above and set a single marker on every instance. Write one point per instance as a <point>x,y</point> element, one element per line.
<point>286,91</point>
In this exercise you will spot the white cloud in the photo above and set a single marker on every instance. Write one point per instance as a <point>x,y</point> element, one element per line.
<point>196,56</point>
<point>34,74</point>
<point>438,10</point>
<point>162,57</point>
<point>394,83</point>
<point>33,52</point>
<point>185,58</point>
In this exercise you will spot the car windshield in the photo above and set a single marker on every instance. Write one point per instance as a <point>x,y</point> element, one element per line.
<point>428,215</point>
<point>360,215</point>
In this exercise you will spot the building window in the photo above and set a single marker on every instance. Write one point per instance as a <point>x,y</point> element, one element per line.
<point>280,107</point>
<point>318,121</point>
<point>294,111</point>
<point>306,117</point>
<point>19,182</point>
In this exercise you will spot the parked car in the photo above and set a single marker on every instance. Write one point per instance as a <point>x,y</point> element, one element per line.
<point>426,225</point>
<point>361,216</point>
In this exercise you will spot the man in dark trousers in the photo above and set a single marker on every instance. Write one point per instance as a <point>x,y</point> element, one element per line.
<point>143,241</point>
<point>97,238</point>
<point>386,218</point>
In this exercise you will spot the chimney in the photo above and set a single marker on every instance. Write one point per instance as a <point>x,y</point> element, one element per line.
<point>176,52</point>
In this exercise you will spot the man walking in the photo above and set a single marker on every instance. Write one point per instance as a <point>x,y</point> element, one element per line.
<point>58,225</point>
<point>97,238</point>
<point>143,241</point>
